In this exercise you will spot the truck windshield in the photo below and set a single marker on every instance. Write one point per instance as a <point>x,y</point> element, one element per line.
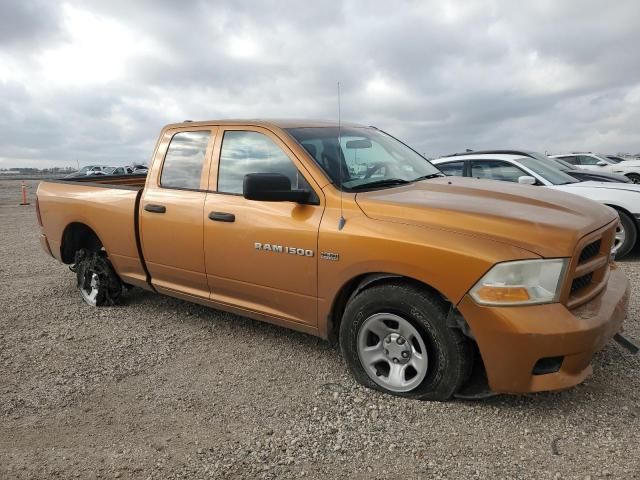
<point>364,157</point>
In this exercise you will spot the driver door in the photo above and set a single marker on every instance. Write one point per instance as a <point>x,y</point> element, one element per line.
<point>261,256</point>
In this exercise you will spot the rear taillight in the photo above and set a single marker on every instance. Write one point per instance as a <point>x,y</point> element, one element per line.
<point>38,212</point>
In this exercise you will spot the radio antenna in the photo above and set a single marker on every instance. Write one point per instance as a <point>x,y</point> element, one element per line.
<point>341,221</point>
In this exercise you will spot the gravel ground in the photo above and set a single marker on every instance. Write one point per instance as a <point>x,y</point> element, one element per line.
<point>160,388</point>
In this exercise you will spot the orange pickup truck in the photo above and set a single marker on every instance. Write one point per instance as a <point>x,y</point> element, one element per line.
<point>344,232</point>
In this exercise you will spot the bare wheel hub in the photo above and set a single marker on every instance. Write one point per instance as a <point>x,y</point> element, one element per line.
<point>397,349</point>
<point>392,352</point>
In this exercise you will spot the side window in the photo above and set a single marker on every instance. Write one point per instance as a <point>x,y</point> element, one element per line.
<point>455,169</point>
<point>496,170</point>
<point>588,160</point>
<point>571,159</point>
<point>245,152</point>
<point>183,162</point>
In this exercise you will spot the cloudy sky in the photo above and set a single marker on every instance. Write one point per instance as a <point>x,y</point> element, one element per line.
<point>94,81</point>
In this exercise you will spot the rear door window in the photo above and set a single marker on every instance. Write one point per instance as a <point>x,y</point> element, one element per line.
<point>184,160</point>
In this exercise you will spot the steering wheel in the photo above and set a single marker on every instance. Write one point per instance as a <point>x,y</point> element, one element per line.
<point>374,168</point>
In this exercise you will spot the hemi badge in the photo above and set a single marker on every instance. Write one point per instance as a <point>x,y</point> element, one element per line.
<point>329,256</point>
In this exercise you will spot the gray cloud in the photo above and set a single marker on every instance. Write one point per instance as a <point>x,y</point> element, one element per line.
<point>28,24</point>
<point>441,75</point>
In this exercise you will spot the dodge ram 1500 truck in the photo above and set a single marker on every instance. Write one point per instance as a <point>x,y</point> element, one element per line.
<point>344,232</point>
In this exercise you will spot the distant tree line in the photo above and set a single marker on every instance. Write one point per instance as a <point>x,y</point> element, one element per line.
<point>33,171</point>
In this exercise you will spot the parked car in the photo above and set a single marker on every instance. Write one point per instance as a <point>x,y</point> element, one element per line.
<point>115,171</point>
<point>601,163</point>
<point>86,170</point>
<point>344,232</point>
<point>585,175</point>
<point>526,168</point>
<point>139,169</point>
<point>96,170</point>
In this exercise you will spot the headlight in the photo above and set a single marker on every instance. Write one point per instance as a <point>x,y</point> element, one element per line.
<point>523,282</point>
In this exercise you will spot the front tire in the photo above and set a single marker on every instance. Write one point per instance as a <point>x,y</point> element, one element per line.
<point>98,282</point>
<point>395,339</point>
<point>626,235</point>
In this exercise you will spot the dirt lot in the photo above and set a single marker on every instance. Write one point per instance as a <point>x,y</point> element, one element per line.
<point>160,388</point>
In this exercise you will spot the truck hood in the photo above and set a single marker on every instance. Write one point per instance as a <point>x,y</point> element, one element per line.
<point>540,220</point>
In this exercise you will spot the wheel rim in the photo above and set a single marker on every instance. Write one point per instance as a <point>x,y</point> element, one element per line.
<point>392,352</point>
<point>619,239</point>
<point>90,288</point>
<point>635,178</point>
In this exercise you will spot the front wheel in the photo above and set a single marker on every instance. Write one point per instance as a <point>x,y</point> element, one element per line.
<point>395,339</point>
<point>626,235</point>
<point>98,282</point>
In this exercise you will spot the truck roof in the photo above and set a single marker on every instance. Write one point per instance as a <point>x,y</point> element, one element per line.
<point>272,122</point>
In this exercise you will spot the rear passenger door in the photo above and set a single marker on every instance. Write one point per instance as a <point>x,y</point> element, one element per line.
<point>261,256</point>
<point>171,211</point>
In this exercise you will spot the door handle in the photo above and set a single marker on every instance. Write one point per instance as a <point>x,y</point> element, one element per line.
<point>222,217</point>
<point>155,208</point>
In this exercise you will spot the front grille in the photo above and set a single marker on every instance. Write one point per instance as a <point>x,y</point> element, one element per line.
<point>581,282</point>
<point>589,268</point>
<point>590,251</point>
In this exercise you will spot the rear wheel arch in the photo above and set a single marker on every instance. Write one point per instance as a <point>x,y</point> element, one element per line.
<point>78,236</point>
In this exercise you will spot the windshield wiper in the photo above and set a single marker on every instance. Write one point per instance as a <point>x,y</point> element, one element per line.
<point>427,177</point>
<point>387,182</point>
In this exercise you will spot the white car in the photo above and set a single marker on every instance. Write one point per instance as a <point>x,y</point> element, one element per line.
<point>603,163</point>
<point>531,168</point>
<point>93,170</point>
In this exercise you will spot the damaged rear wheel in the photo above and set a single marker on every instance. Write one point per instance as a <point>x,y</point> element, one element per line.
<point>98,282</point>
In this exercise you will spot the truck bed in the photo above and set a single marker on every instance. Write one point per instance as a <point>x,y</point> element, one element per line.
<point>109,180</point>
<point>105,205</point>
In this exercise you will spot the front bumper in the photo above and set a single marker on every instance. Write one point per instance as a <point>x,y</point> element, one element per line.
<point>513,339</point>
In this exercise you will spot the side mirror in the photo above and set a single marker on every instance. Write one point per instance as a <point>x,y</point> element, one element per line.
<point>271,187</point>
<point>602,164</point>
<point>526,180</point>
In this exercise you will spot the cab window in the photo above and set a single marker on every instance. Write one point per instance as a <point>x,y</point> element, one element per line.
<point>184,160</point>
<point>245,152</point>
